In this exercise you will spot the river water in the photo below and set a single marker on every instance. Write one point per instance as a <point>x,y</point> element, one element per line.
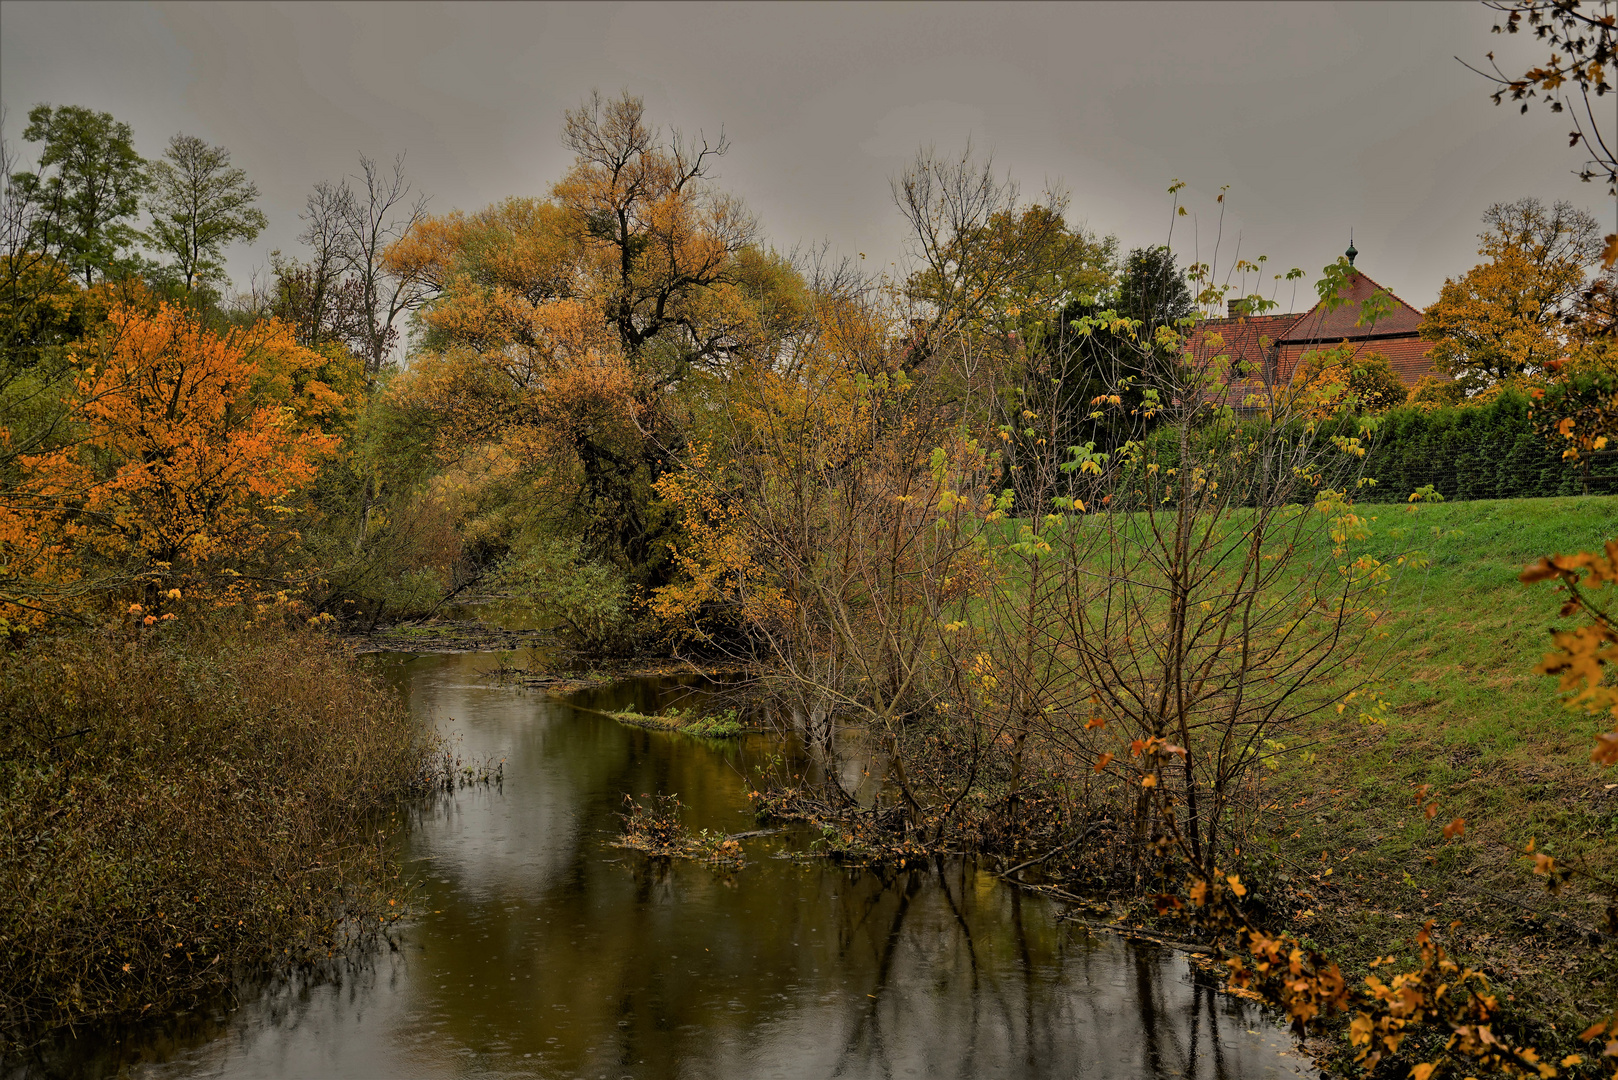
<point>544,951</point>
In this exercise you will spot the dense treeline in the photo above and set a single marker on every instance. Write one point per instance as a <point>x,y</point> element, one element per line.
<point>417,405</point>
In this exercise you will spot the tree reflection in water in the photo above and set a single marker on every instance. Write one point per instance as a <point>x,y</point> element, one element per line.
<point>546,952</point>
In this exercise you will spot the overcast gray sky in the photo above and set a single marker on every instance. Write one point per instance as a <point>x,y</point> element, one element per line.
<point>1319,116</point>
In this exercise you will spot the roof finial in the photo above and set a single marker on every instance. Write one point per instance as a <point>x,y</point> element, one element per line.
<point>1351,252</point>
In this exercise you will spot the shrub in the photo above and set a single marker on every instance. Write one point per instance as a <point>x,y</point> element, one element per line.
<point>175,809</point>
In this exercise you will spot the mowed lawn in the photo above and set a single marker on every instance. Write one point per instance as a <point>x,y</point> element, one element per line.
<point>1467,716</point>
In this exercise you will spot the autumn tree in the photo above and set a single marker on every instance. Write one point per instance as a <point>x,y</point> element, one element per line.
<point>579,336</point>
<point>834,538</point>
<point>1509,316</point>
<point>199,204</point>
<point>187,453</point>
<point>87,188</point>
<point>1332,381</point>
<point>1583,44</point>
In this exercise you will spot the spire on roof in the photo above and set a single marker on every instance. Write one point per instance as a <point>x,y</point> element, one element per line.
<point>1351,252</point>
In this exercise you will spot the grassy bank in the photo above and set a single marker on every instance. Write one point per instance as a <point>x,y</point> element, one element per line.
<point>1357,867</point>
<point>173,811</point>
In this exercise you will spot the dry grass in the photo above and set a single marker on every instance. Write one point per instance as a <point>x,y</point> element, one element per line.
<point>177,810</point>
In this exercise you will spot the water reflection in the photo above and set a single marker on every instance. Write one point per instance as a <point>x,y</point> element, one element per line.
<point>546,952</point>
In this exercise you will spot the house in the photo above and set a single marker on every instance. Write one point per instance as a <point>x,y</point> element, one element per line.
<point>1270,347</point>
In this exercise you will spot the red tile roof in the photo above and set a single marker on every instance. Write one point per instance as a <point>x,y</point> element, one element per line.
<point>1406,356</point>
<point>1342,323</point>
<point>1275,343</point>
<point>1249,338</point>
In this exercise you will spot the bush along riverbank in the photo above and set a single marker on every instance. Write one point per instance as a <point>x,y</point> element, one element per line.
<point>1422,879</point>
<point>177,810</point>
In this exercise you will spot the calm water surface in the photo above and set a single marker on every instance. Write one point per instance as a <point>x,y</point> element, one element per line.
<point>547,952</point>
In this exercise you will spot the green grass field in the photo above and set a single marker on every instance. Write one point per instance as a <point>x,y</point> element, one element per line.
<point>1469,717</point>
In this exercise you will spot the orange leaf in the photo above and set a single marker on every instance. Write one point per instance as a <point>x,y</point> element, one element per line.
<point>1541,571</point>
<point>1101,762</point>
<point>1454,829</point>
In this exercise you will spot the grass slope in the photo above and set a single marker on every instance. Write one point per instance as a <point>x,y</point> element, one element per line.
<point>1365,867</point>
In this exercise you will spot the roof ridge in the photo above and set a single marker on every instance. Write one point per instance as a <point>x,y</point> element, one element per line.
<point>1391,293</point>
<point>1376,287</point>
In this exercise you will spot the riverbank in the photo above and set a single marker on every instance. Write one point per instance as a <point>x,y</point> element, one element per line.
<point>1336,844</point>
<point>179,808</point>
<point>540,947</point>
<point>1341,853</point>
<point>1359,867</point>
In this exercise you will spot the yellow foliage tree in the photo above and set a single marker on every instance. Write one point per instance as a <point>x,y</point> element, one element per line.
<point>567,330</point>
<point>1331,381</point>
<point>1507,317</point>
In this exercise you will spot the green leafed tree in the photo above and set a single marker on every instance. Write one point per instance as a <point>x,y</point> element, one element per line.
<point>199,204</point>
<point>88,185</point>
<point>1152,289</point>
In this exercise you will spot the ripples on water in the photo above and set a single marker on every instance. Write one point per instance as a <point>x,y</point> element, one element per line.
<point>546,952</point>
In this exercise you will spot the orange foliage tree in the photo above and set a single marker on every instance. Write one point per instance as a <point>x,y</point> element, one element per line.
<point>1508,317</point>
<point>578,334</point>
<point>186,453</point>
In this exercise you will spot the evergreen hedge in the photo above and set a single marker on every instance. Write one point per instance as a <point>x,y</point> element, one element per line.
<point>1488,451</point>
<point>1481,451</point>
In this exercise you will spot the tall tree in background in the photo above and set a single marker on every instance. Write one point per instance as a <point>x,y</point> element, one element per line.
<point>380,213</point>
<point>1510,316</point>
<point>316,297</point>
<point>88,187</point>
<point>348,292</point>
<point>1152,289</point>
<point>564,331</point>
<point>198,205</point>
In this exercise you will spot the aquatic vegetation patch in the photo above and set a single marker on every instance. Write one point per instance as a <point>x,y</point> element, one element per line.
<point>721,725</point>
<point>654,826</point>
